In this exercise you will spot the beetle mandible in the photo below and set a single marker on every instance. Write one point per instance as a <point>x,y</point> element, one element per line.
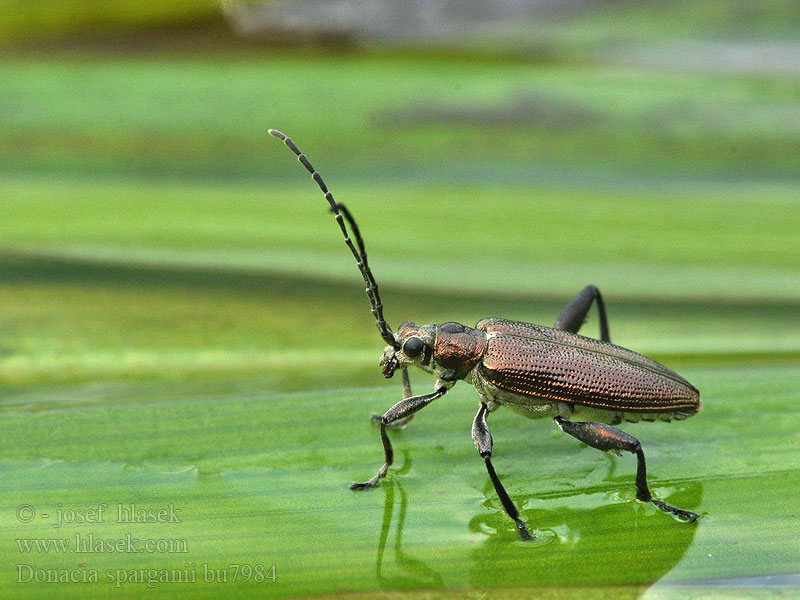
<point>534,370</point>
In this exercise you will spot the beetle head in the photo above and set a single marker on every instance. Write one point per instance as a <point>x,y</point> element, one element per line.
<point>415,345</point>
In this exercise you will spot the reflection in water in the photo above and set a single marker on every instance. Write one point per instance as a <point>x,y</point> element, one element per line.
<point>598,536</point>
<point>414,572</point>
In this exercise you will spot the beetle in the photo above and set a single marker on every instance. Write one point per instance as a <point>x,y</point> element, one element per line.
<point>534,370</point>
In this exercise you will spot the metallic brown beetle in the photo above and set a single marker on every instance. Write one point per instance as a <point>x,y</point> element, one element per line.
<point>540,371</point>
<point>536,371</point>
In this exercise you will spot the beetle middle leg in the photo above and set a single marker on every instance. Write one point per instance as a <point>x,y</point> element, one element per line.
<point>483,442</point>
<point>604,437</point>
<point>400,423</point>
<point>574,314</point>
<point>399,411</point>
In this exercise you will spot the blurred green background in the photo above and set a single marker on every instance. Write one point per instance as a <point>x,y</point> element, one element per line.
<point>181,324</point>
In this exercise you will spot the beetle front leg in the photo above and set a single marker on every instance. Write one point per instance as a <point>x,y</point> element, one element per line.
<point>574,314</point>
<point>604,437</point>
<point>402,409</point>
<point>483,442</point>
<point>400,423</point>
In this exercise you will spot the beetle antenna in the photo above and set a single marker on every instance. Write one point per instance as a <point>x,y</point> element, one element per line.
<point>356,234</point>
<point>361,249</point>
<point>360,254</point>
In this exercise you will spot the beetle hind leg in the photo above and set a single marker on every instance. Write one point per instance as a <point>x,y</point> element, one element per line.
<point>574,313</point>
<point>483,442</point>
<point>604,437</point>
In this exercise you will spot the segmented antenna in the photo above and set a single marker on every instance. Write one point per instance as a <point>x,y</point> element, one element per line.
<point>356,233</point>
<point>360,255</point>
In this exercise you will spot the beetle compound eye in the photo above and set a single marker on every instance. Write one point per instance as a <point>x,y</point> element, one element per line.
<point>413,347</point>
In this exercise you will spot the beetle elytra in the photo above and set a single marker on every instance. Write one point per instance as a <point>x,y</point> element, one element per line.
<point>534,370</point>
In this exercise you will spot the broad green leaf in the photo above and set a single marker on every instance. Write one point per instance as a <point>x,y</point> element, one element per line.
<point>182,328</point>
<point>262,478</point>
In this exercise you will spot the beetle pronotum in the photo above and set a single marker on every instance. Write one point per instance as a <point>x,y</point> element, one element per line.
<point>534,370</point>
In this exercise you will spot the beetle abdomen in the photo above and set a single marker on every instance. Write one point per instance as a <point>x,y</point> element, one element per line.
<point>537,361</point>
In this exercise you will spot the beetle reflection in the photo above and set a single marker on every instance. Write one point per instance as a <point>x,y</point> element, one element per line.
<point>414,572</point>
<point>569,547</point>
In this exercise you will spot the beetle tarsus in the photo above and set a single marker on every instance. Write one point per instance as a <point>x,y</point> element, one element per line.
<point>368,485</point>
<point>683,515</point>
<point>523,530</point>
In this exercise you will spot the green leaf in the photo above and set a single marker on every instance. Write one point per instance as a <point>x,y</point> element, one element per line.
<point>203,345</point>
